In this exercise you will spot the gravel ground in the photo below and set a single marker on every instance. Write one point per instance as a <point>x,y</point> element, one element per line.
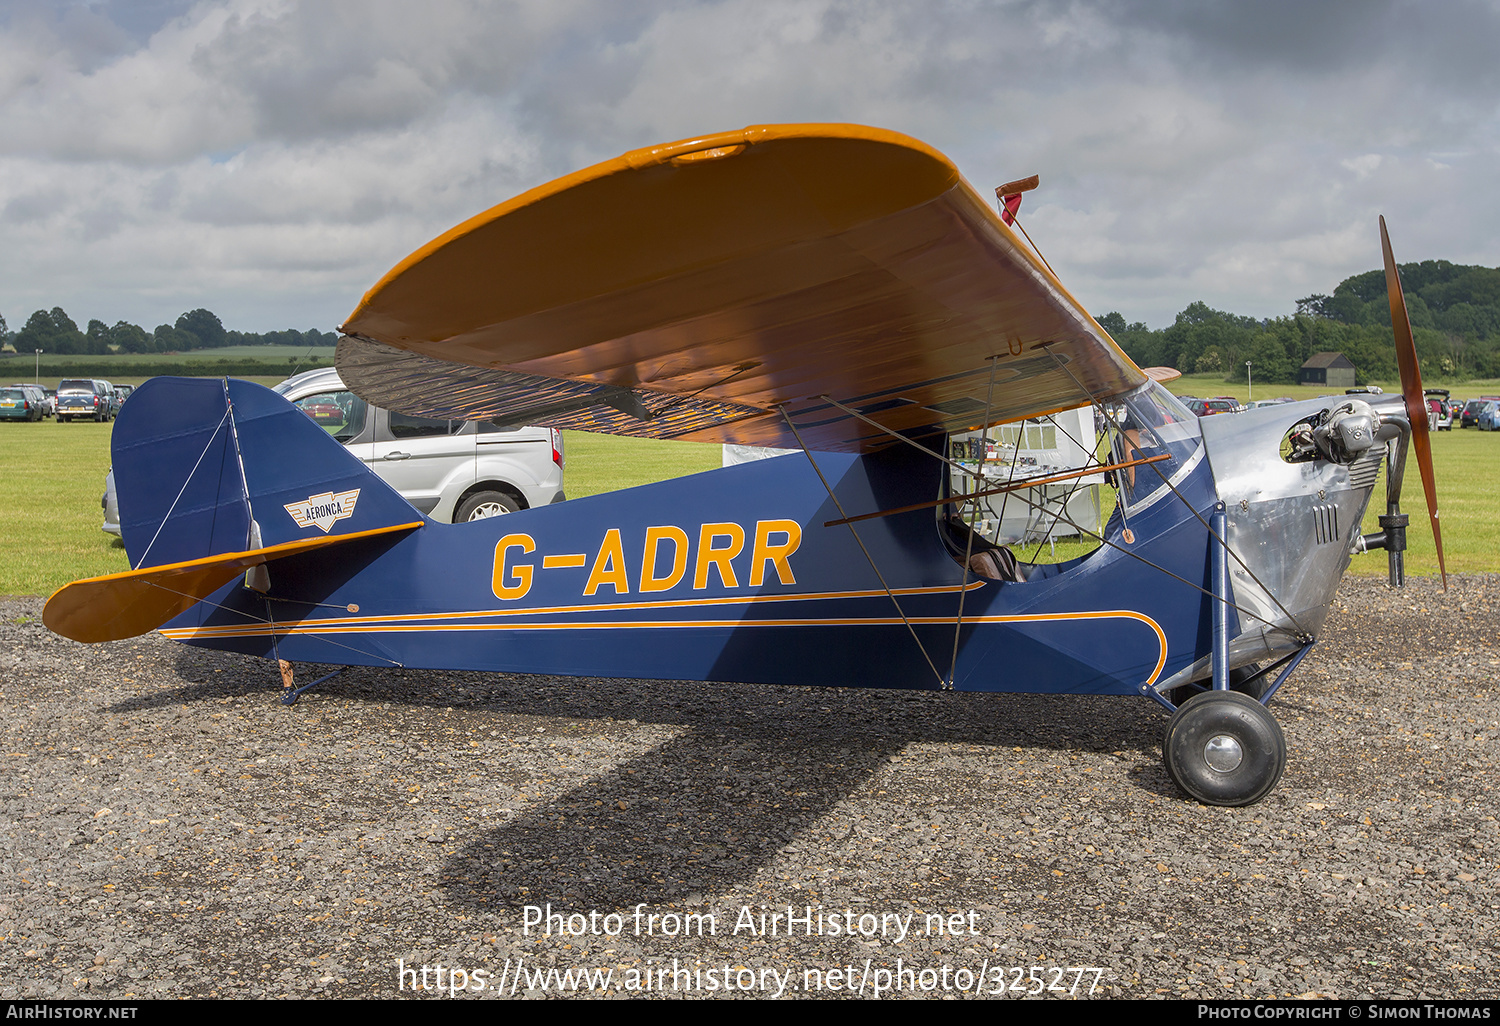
<point>172,830</point>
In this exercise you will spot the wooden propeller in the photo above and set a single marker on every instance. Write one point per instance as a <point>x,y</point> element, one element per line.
<point>1411,391</point>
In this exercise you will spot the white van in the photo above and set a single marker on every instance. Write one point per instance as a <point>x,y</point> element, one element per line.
<point>451,470</point>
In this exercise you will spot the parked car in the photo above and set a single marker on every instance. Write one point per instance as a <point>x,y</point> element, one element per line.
<point>36,397</point>
<point>1488,418</point>
<point>48,401</point>
<point>18,404</point>
<point>1470,415</point>
<point>1210,407</point>
<point>451,470</point>
<point>80,398</point>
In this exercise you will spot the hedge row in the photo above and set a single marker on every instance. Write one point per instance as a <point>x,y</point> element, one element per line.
<point>20,368</point>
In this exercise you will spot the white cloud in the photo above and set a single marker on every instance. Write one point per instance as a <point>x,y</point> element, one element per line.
<point>269,159</point>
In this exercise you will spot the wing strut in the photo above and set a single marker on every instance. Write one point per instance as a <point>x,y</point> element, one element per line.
<point>969,545</point>
<point>984,449</point>
<point>871,559</point>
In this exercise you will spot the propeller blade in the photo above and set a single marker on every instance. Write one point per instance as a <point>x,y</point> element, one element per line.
<point>1411,391</point>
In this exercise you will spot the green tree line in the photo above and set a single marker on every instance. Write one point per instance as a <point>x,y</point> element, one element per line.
<point>55,333</point>
<point>1454,311</point>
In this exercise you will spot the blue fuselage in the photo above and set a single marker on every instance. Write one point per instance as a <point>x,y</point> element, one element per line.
<point>732,575</point>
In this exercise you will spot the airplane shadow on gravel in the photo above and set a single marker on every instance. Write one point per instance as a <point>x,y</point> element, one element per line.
<point>746,781</point>
<point>754,769</point>
<point>685,818</point>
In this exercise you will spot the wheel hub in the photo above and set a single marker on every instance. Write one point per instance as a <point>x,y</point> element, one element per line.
<point>1223,753</point>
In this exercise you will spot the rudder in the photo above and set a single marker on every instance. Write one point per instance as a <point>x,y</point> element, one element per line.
<point>197,461</point>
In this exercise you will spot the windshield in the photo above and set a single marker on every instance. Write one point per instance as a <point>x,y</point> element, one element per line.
<point>1151,423</point>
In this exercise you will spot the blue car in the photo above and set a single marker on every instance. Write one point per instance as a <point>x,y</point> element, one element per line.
<point>1489,416</point>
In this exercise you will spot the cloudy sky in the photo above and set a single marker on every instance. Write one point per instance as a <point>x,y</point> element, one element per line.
<point>270,159</point>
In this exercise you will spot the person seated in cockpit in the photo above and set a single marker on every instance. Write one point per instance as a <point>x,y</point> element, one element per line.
<point>1137,440</point>
<point>988,560</point>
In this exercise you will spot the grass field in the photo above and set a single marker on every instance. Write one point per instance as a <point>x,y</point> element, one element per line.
<point>245,362</point>
<point>52,480</point>
<point>1206,385</point>
<point>1467,467</point>
<point>52,477</point>
<point>603,463</point>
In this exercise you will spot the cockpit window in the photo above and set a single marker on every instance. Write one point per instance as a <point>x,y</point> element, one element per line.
<point>1037,530</point>
<point>1151,422</point>
<point>1008,529</point>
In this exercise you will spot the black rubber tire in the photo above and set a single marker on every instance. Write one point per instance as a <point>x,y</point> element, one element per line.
<point>1240,675</point>
<point>482,505</point>
<point>1226,718</point>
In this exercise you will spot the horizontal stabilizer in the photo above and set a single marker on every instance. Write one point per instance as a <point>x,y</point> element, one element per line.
<point>129,604</point>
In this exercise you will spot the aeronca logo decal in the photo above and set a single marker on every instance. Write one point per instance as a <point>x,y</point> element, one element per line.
<point>323,511</point>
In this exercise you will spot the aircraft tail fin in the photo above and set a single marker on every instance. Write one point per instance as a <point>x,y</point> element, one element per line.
<point>214,477</point>
<point>210,466</point>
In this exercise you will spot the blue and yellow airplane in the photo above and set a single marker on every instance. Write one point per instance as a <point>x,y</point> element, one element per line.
<point>832,288</point>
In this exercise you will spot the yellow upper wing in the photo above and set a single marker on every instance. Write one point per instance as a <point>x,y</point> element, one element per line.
<point>692,290</point>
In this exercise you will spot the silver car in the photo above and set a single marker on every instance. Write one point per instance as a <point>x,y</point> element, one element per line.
<point>111,504</point>
<point>451,470</point>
